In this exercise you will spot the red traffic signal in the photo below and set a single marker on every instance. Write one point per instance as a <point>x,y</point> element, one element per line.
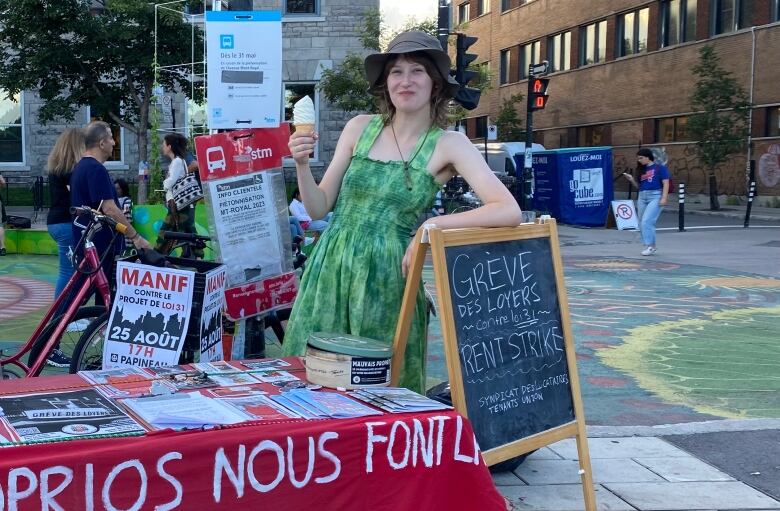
<point>537,93</point>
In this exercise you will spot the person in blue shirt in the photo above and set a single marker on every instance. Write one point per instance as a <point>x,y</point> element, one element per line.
<point>91,185</point>
<point>653,194</point>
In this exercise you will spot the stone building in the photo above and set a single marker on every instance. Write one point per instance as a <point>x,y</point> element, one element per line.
<point>621,75</point>
<point>317,35</point>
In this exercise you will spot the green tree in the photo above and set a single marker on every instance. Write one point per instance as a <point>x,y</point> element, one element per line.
<point>509,125</point>
<point>720,124</point>
<point>81,52</point>
<point>346,86</point>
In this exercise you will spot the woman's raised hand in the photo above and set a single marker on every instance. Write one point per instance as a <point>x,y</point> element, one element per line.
<point>301,146</point>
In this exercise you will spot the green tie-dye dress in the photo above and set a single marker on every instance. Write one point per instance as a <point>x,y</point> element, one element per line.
<point>353,282</point>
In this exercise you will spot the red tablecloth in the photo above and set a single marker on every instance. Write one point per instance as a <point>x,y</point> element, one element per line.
<point>425,461</point>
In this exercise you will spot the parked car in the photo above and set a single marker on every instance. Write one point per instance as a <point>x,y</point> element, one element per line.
<point>500,155</point>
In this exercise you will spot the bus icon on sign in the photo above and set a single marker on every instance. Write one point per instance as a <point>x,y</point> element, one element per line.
<point>215,159</point>
<point>226,42</point>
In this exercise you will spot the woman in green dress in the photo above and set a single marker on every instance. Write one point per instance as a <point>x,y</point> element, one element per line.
<point>384,173</point>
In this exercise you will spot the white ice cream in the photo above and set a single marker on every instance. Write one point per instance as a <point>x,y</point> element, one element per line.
<point>303,111</point>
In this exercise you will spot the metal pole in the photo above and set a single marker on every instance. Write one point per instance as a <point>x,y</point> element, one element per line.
<point>751,195</point>
<point>443,23</point>
<point>486,151</point>
<point>528,157</point>
<point>681,207</point>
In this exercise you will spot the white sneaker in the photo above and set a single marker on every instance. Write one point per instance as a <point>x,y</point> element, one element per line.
<point>649,251</point>
<point>308,241</point>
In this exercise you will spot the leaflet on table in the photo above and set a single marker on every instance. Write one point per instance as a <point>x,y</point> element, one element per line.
<point>247,227</point>
<point>220,367</point>
<point>149,317</point>
<point>275,376</point>
<point>211,315</point>
<point>184,411</point>
<point>237,391</point>
<point>329,404</point>
<point>233,379</point>
<point>397,400</point>
<point>260,407</point>
<point>117,375</point>
<point>302,411</point>
<point>265,364</point>
<point>65,416</point>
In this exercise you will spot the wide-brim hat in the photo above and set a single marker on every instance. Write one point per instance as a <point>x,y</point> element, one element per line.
<point>411,42</point>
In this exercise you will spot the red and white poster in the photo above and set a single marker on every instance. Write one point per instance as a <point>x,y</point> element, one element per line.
<point>247,205</point>
<point>149,317</point>
<point>211,315</point>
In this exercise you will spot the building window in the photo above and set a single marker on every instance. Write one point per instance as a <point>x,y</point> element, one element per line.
<point>100,113</point>
<point>479,125</point>
<point>529,55</point>
<point>292,93</point>
<point>592,136</point>
<point>503,70</point>
<point>672,129</point>
<point>775,10</point>
<point>302,7</point>
<point>731,15</point>
<point>632,32</point>
<point>559,52</point>
<point>678,22</point>
<point>11,141</point>
<point>463,12</point>
<point>594,43</point>
<point>481,7</point>
<point>511,4</point>
<point>773,121</point>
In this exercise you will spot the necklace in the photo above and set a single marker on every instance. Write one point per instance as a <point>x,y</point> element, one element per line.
<point>406,163</point>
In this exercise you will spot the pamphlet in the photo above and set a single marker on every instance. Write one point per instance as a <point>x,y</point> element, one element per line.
<point>116,375</point>
<point>275,376</point>
<point>398,400</point>
<point>261,408</point>
<point>64,416</point>
<point>330,404</point>
<point>184,411</point>
<point>232,379</point>
<point>265,364</point>
<point>220,367</point>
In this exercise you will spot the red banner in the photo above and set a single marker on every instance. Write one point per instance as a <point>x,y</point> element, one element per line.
<point>257,297</point>
<point>424,461</point>
<point>239,152</point>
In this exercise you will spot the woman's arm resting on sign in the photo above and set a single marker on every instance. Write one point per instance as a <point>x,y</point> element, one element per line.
<point>499,208</point>
<point>664,192</point>
<point>319,199</point>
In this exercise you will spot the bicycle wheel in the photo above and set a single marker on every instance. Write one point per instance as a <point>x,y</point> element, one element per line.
<point>11,372</point>
<point>88,354</point>
<point>69,337</point>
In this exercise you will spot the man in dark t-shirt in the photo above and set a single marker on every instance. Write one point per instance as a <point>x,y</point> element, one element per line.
<point>90,185</point>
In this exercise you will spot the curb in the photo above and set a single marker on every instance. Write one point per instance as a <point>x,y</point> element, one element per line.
<point>740,215</point>
<point>685,428</point>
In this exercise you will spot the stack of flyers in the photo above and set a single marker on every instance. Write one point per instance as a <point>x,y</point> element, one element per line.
<point>114,376</point>
<point>233,379</point>
<point>189,381</point>
<point>184,411</point>
<point>275,376</point>
<point>159,371</point>
<point>329,404</point>
<point>265,364</point>
<point>123,390</point>
<point>398,400</point>
<point>219,367</point>
<point>253,389</point>
<point>261,408</point>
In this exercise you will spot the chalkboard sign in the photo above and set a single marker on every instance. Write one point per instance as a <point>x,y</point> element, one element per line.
<point>510,339</point>
<point>507,337</point>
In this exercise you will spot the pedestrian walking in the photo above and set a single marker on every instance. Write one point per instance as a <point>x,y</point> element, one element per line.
<point>653,193</point>
<point>67,151</point>
<point>174,146</point>
<point>384,174</point>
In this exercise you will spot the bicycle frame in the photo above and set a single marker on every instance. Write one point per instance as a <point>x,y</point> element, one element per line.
<point>90,265</point>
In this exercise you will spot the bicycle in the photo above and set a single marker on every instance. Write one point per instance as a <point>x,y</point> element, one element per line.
<point>87,277</point>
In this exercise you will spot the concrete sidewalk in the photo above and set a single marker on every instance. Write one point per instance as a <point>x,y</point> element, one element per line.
<point>630,474</point>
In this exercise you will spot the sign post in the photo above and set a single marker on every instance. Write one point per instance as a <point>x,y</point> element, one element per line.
<point>508,343</point>
<point>537,100</point>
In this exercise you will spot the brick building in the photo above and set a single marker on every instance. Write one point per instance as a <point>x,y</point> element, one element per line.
<point>621,74</point>
<point>317,35</point>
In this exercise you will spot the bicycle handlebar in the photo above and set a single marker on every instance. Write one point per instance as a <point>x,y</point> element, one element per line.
<point>98,217</point>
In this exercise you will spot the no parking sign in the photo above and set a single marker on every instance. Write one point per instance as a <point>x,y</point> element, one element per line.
<point>624,214</point>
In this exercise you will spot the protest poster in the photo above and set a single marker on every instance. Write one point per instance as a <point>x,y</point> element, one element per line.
<point>149,317</point>
<point>64,416</point>
<point>211,315</point>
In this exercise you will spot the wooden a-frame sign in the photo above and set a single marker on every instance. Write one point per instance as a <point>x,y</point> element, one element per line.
<point>507,337</point>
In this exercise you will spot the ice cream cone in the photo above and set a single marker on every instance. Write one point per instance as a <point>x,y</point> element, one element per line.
<point>304,129</point>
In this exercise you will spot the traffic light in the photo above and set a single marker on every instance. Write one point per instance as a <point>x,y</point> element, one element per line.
<point>537,93</point>
<point>466,96</point>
